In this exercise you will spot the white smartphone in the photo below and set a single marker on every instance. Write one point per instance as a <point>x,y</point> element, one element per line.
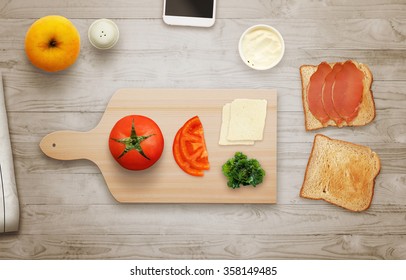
<point>200,13</point>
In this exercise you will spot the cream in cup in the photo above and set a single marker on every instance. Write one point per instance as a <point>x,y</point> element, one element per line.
<point>261,47</point>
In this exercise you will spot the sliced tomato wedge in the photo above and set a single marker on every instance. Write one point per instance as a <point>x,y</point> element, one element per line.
<point>189,148</point>
<point>181,161</point>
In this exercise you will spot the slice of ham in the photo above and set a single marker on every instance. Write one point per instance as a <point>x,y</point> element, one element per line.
<point>327,95</point>
<point>314,92</point>
<point>347,91</point>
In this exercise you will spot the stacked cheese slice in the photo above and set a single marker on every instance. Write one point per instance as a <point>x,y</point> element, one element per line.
<point>243,122</point>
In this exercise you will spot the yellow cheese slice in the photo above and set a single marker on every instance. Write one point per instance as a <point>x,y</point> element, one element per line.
<point>247,119</point>
<point>225,127</point>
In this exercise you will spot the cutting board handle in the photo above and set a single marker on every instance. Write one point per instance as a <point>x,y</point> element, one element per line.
<point>70,145</point>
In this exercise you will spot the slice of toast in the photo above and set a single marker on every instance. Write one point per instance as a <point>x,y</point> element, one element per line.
<point>341,173</point>
<point>366,112</point>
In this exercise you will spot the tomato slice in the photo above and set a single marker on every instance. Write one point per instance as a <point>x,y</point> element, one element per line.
<point>181,161</point>
<point>194,152</point>
<point>193,127</point>
<point>189,148</point>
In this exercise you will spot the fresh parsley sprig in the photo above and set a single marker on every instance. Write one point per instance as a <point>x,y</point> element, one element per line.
<point>240,170</point>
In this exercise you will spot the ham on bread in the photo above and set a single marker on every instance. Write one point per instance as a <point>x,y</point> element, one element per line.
<point>337,94</point>
<point>315,91</point>
<point>327,95</point>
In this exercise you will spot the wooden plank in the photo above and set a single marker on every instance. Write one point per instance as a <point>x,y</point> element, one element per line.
<point>193,219</point>
<point>83,97</point>
<point>184,246</point>
<point>359,34</point>
<point>386,66</point>
<point>145,9</point>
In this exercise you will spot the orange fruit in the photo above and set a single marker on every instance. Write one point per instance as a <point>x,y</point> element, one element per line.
<point>52,43</point>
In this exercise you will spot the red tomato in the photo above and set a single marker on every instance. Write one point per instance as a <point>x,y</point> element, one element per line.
<point>136,142</point>
<point>189,148</point>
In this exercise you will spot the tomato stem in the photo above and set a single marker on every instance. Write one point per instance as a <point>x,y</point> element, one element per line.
<point>133,142</point>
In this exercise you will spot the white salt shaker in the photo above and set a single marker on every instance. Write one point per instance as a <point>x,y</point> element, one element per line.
<point>103,33</point>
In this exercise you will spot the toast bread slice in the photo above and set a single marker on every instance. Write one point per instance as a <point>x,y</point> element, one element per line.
<point>366,113</point>
<point>341,173</point>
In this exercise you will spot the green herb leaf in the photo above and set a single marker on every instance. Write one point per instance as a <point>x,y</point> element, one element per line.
<point>240,170</point>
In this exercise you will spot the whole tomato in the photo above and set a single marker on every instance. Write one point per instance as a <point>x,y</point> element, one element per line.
<point>136,142</point>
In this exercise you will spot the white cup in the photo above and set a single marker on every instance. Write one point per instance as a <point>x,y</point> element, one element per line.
<point>261,47</point>
<point>103,33</point>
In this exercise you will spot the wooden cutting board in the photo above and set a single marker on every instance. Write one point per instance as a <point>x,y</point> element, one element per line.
<point>165,182</point>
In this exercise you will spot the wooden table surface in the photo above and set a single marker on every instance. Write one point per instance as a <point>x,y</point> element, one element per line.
<point>67,211</point>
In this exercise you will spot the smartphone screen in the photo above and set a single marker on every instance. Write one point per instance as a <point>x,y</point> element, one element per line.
<point>190,8</point>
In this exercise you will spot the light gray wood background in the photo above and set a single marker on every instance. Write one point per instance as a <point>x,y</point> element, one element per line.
<point>66,209</point>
